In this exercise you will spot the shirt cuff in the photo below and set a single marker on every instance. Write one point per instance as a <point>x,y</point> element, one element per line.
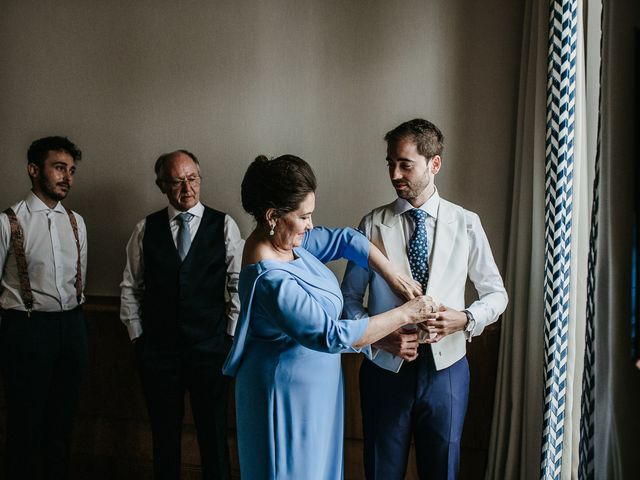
<point>231,325</point>
<point>134,327</point>
<point>476,312</point>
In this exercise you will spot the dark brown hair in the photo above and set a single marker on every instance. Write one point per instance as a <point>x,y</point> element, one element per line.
<point>427,137</point>
<point>281,183</point>
<point>39,149</point>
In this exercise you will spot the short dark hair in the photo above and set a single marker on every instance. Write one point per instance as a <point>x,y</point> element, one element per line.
<point>165,157</point>
<point>427,137</point>
<point>281,183</point>
<point>39,149</point>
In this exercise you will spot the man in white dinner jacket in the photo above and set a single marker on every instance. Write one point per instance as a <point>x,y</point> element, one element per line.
<point>417,384</point>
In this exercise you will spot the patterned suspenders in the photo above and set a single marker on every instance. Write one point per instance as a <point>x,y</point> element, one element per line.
<point>74,227</point>
<point>17,243</point>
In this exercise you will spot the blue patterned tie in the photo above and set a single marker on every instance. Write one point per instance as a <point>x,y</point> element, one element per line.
<point>184,234</point>
<point>419,248</point>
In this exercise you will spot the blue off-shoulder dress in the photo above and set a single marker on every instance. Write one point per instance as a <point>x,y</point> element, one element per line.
<point>289,389</point>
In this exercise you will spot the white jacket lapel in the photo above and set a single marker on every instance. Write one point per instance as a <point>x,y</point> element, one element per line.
<point>442,249</point>
<point>394,242</point>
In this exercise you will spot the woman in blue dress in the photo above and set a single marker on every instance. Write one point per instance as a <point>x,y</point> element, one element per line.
<point>289,388</point>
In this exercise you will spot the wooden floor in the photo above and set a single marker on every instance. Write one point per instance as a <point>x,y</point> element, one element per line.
<point>112,437</point>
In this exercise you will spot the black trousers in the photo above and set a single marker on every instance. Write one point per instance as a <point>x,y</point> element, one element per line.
<point>43,358</point>
<point>167,374</point>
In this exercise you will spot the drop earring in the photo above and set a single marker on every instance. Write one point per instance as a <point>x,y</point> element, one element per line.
<point>272,231</point>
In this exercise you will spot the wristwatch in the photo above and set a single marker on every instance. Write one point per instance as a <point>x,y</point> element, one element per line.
<point>471,324</point>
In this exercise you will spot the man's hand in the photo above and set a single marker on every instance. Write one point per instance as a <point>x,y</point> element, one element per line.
<point>401,343</point>
<point>447,321</point>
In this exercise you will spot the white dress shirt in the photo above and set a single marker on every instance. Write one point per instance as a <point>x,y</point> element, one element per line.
<point>482,269</point>
<point>133,278</point>
<point>51,254</point>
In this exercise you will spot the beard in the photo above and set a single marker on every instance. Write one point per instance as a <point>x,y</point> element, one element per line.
<point>412,189</point>
<point>55,191</point>
<point>410,193</point>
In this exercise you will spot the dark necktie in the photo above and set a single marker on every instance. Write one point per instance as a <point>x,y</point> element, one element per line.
<point>184,234</point>
<point>419,248</point>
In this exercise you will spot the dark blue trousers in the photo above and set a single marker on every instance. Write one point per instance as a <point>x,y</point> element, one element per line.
<point>418,402</point>
<point>43,359</point>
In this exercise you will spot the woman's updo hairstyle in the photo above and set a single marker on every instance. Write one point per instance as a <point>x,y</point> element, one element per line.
<point>281,183</point>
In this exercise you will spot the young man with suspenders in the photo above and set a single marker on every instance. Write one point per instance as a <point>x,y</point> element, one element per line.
<point>43,336</point>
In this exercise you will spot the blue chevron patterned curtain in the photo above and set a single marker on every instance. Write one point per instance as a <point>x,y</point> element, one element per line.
<point>560,143</point>
<point>535,430</point>
<point>582,104</point>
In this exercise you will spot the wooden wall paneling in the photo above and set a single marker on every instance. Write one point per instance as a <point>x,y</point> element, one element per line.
<point>113,439</point>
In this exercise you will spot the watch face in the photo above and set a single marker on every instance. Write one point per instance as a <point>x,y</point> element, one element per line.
<point>470,322</point>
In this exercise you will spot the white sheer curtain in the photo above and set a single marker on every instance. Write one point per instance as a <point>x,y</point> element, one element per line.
<point>514,450</point>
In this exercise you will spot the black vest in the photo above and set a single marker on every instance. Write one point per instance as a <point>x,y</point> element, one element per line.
<point>184,303</point>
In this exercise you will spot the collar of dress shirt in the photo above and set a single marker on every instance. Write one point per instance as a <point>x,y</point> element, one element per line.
<point>197,210</point>
<point>430,206</point>
<point>34,204</point>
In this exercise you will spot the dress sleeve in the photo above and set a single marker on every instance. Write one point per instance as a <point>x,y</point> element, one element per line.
<point>298,314</point>
<point>328,244</point>
<point>356,280</point>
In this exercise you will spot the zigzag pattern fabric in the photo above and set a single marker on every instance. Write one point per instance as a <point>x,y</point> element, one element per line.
<point>559,152</point>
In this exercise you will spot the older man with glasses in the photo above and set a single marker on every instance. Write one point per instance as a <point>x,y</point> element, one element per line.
<point>179,262</point>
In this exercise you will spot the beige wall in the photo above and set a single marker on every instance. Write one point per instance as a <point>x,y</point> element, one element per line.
<point>127,80</point>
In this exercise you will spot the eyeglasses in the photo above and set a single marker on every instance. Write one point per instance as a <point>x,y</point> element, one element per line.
<point>177,183</point>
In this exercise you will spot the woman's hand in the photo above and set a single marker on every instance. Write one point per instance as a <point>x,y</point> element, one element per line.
<point>420,309</point>
<point>401,284</point>
<point>404,286</point>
